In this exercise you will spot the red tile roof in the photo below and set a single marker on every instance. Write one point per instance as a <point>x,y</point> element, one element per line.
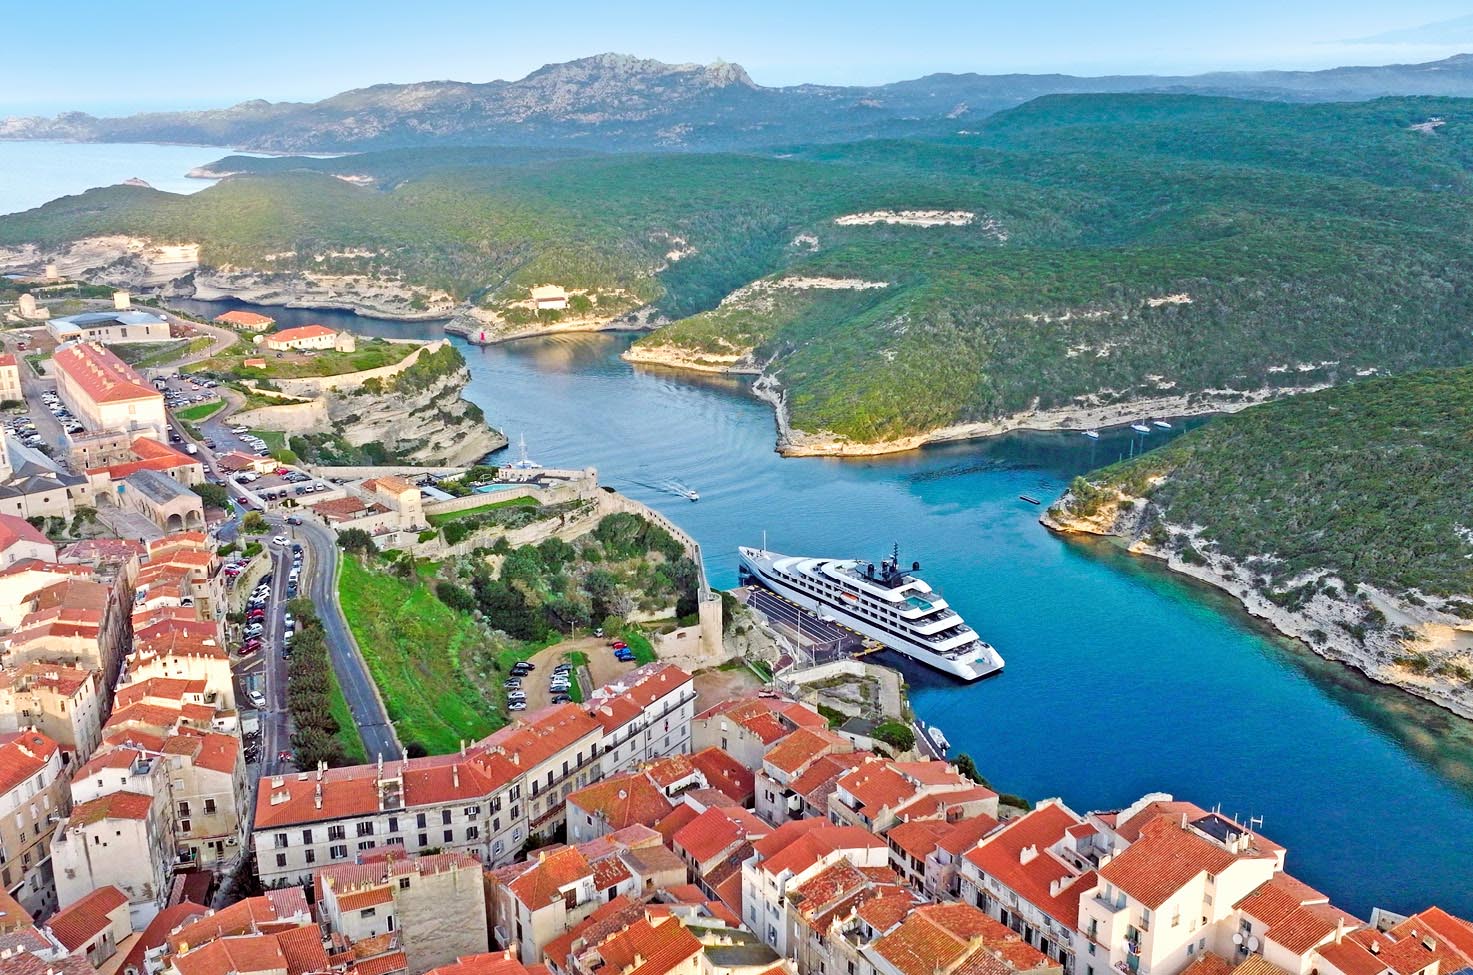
<point>1163,860</point>
<point>623,801</point>
<point>82,920</point>
<point>726,774</point>
<point>14,530</point>
<point>541,882</point>
<point>918,838</point>
<point>22,755</point>
<point>299,333</point>
<point>710,834</point>
<point>490,963</point>
<point>801,748</point>
<point>101,374</point>
<point>158,930</point>
<point>114,805</point>
<point>798,845</point>
<point>1001,855</point>
<point>956,938</point>
<point>1297,916</point>
<point>649,947</point>
<point>247,318</point>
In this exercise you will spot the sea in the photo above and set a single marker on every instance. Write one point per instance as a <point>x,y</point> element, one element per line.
<point>1122,678</point>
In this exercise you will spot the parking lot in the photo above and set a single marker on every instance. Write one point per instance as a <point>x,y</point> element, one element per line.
<point>284,484</point>
<point>181,391</point>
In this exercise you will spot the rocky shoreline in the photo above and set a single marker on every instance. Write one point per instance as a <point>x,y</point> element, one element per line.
<point>794,442</point>
<point>1338,629</point>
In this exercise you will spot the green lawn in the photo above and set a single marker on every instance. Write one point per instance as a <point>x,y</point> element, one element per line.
<point>278,445</point>
<point>412,644</point>
<point>523,502</point>
<point>370,354</point>
<point>199,411</point>
<point>644,651</point>
<point>347,727</point>
<point>575,688</point>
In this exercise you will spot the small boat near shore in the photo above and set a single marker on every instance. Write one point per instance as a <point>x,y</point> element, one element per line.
<point>1140,428</point>
<point>1092,434</point>
<point>1030,500</point>
<point>1162,424</point>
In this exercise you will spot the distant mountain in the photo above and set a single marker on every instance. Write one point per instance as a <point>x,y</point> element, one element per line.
<point>618,102</point>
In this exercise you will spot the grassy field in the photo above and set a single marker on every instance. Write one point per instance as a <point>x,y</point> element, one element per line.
<point>347,727</point>
<point>644,651</point>
<point>440,519</point>
<point>578,659</point>
<point>199,412</point>
<point>370,354</point>
<point>413,644</point>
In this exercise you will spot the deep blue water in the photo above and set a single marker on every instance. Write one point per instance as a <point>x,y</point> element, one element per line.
<point>1122,678</point>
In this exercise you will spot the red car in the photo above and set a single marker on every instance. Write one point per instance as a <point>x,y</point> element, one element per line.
<point>250,646</point>
<point>619,645</point>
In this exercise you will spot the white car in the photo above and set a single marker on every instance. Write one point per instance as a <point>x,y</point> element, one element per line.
<point>258,699</point>
<point>281,540</point>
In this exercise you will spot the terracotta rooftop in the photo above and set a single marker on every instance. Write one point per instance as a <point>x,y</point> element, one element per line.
<point>22,755</point>
<point>623,800</point>
<point>542,880</point>
<point>801,748</point>
<point>1001,855</point>
<point>14,530</point>
<point>726,774</point>
<point>955,938</point>
<point>649,946</point>
<point>247,318</point>
<point>158,930</point>
<point>82,920</point>
<point>795,846</point>
<point>1164,859</point>
<point>101,374</point>
<point>299,333</point>
<point>114,805</point>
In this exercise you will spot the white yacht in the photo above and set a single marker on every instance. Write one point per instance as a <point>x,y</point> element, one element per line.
<point>885,603</point>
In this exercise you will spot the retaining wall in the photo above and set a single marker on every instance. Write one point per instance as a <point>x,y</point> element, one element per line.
<point>308,417</point>
<point>312,386</point>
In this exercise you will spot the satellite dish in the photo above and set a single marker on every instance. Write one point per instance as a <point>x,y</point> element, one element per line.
<point>1237,937</point>
<point>1252,944</point>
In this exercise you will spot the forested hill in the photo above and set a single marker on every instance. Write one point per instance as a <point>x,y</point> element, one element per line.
<point>613,101</point>
<point>1368,483</point>
<point>1080,252</point>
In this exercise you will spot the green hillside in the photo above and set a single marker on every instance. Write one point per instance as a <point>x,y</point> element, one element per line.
<point>1368,480</point>
<point>1298,244</point>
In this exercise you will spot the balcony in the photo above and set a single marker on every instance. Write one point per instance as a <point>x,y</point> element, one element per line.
<point>1110,906</point>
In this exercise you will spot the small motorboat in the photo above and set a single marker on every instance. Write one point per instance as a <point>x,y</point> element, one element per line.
<point>1025,497</point>
<point>1162,424</point>
<point>1140,428</point>
<point>1092,434</point>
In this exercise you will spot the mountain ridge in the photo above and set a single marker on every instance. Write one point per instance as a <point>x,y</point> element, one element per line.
<point>622,102</point>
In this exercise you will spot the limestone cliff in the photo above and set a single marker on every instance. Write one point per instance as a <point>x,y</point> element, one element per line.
<point>1418,644</point>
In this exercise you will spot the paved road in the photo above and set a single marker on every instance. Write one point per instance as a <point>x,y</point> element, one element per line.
<point>322,588</point>
<point>276,726</point>
<point>829,639</point>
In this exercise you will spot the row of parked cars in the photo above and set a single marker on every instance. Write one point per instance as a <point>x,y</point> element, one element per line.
<point>559,683</point>
<point>58,409</point>
<point>25,431</point>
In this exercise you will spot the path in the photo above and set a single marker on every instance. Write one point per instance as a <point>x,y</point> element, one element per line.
<point>347,661</point>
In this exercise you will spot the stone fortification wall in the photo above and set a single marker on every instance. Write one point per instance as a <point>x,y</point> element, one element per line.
<point>313,386</point>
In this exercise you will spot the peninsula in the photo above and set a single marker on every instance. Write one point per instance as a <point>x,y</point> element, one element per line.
<point>1337,516</point>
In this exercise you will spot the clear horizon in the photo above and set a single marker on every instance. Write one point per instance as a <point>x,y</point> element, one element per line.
<point>295,52</point>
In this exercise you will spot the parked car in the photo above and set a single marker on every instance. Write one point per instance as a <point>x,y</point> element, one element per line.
<point>512,683</point>
<point>258,699</point>
<point>293,520</point>
<point>517,706</point>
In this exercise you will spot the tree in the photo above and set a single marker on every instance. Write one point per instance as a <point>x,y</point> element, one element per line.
<point>456,597</point>
<point>967,767</point>
<point>254,523</point>
<point>355,540</point>
<point>213,495</point>
<point>896,735</point>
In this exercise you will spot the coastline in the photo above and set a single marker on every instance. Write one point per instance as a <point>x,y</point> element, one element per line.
<point>468,330</point>
<point>794,442</point>
<point>1322,625</point>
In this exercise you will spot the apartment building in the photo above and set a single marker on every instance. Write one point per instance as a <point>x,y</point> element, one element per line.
<point>64,703</point>
<point>644,715</point>
<point>788,856</point>
<point>745,728</point>
<point>435,904</point>
<point>104,393</point>
<point>34,794</point>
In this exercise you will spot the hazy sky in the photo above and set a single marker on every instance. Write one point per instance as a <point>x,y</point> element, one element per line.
<point>106,56</point>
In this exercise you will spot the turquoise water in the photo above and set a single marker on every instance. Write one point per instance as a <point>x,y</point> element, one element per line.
<point>1122,678</point>
<point>31,173</point>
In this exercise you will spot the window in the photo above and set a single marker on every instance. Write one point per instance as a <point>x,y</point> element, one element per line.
<point>419,820</point>
<point>281,859</point>
<point>393,824</point>
<point>306,836</point>
<point>365,829</point>
<point>368,912</point>
<point>183,810</point>
<point>424,839</point>
<point>184,825</point>
<point>496,825</point>
<point>403,883</point>
<point>338,852</point>
<point>311,856</point>
<point>450,836</point>
<point>337,832</point>
<point>472,811</point>
<point>472,832</point>
<point>366,845</point>
<point>209,807</point>
<point>444,817</point>
<point>281,841</point>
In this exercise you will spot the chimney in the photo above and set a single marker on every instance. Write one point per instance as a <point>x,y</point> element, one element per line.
<point>1375,947</point>
<point>455,775</point>
<point>1028,854</point>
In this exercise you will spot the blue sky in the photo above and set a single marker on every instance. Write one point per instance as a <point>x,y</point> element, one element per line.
<point>167,54</point>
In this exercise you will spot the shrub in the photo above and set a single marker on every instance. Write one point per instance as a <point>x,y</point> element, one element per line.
<point>896,735</point>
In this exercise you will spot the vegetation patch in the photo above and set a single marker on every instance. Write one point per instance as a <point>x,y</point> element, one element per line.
<point>199,412</point>
<point>416,648</point>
